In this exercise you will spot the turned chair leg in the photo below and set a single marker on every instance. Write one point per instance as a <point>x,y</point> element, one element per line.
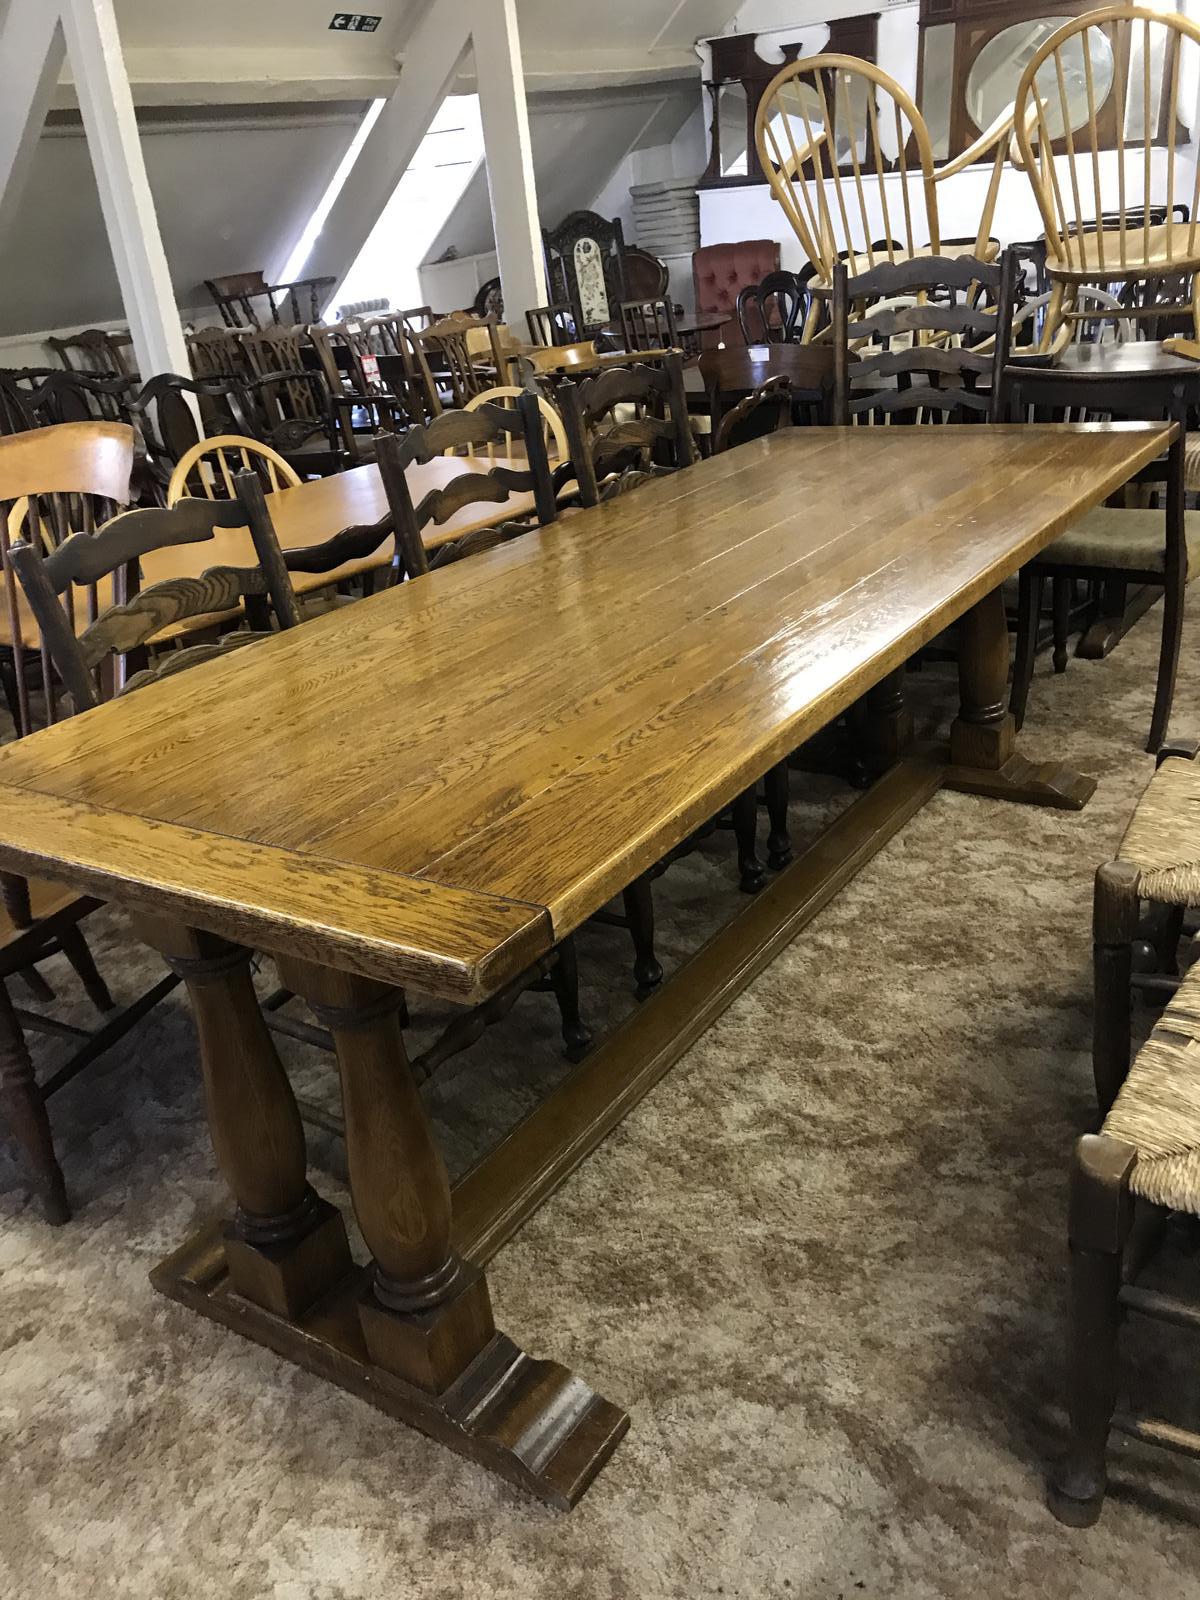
<point>1114,927</point>
<point>564,977</point>
<point>1101,1214</point>
<point>745,831</point>
<point>779,840</point>
<point>24,1111</point>
<point>639,913</point>
<point>75,948</point>
<point>1060,604</point>
<point>1031,587</point>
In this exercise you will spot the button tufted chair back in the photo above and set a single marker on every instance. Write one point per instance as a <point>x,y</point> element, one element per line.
<point>721,271</point>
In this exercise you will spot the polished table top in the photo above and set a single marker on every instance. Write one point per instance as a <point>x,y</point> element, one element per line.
<point>1130,358</point>
<point>433,785</point>
<point>734,371</point>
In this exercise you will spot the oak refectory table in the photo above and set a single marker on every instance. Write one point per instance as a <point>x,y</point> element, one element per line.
<point>433,786</point>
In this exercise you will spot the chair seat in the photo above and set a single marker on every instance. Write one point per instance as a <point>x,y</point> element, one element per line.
<point>1163,837</point>
<point>1158,1108</point>
<point>1128,541</point>
<point>1167,247</point>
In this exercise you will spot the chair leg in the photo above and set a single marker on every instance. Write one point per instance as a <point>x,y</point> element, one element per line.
<point>639,913</point>
<point>564,978</point>
<point>75,948</point>
<point>779,840</point>
<point>37,985</point>
<point>1114,927</point>
<point>1060,604</point>
<point>745,831</point>
<point>1029,609</point>
<point>1168,662</point>
<point>1101,1214</point>
<point>24,1111</point>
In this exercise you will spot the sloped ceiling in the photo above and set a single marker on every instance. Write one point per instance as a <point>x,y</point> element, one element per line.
<point>578,142</point>
<point>228,188</point>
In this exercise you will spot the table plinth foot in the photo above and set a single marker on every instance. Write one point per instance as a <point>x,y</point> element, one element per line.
<point>430,1347</point>
<point>1031,783</point>
<point>287,1276</point>
<point>532,1423</point>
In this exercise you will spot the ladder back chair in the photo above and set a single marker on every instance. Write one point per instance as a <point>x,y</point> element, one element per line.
<point>85,562</point>
<point>1126,1182</point>
<point>1103,84</point>
<point>830,131</point>
<point>488,427</point>
<point>617,423</point>
<point>1156,546</point>
<point>903,357</point>
<point>212,465</point>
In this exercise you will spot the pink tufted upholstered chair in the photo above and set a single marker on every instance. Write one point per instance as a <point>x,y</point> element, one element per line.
<point>721,271</point>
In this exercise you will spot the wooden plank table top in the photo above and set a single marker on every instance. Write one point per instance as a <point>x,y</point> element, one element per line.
<point>306,516</point>
<point>435,783</point>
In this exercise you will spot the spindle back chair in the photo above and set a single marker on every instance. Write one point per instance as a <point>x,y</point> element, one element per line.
<point>835,137</point>
<point>648,325</point>
<point>212,465</point>
<point>1132,62</point>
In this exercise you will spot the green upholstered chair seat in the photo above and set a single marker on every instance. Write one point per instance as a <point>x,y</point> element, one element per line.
<point>1132,541</point>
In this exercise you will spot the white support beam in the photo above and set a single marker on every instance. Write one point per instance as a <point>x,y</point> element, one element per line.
<point>32,50</point>
<point>106,104</point>
<point>509,157</point>
<point>431,62</point>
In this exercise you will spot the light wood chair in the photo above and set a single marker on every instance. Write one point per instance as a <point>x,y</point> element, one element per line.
<point>554,434</point>
<point>211,466</point>
<point>830,131</point>
<point>83,659</point>
<point>1086,241</point>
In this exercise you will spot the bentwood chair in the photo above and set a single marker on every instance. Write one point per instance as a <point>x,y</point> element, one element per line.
<point>1159,547</point>
<point>1125,1182</point>
<point>834,134</point>
<point>90,660</point>
<point>1104,84</point>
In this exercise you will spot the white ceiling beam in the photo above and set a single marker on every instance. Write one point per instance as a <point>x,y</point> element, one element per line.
<point>509,157</point>
<point>435,49</point>
<point>106,105</point>
<point>32,51</point>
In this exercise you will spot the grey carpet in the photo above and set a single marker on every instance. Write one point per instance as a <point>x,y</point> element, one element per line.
<point>822,1266</point>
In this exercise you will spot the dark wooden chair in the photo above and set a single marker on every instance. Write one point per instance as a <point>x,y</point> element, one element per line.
<point>585,268</point>
<point>486,425</point>
<point>917,361</point>
<point>624,425</point>
<point>1159,547</point>
<point>767,409</point>
<point>95,351</point>
<point>772,312</point>
<point>91,661</point>
<point>646,276</point>
<point>406,376</point>
<point>246,300</point>
<point>81,397</point>
<point>465,372</point>
<point>551,325</point>
<point>1126,1181</point>
<point>216,353</point>
<point>648,325</point>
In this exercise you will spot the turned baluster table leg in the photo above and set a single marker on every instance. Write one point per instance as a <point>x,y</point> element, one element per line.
<point>285,1246</point>
<point>425,1314</point>
<point>983,757</point>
